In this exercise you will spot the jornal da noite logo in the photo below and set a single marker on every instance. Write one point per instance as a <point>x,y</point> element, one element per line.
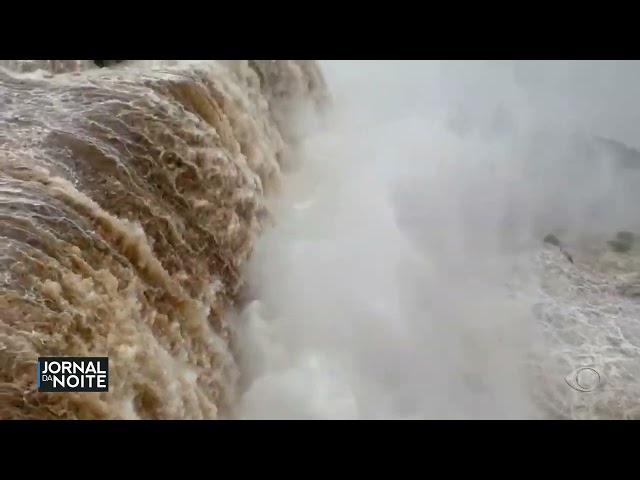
<point>73,374</point>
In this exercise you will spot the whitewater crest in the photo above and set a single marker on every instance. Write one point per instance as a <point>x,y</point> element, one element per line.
<point>129,199</point>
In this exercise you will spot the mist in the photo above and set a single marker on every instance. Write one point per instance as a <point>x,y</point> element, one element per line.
<point>398,281</point>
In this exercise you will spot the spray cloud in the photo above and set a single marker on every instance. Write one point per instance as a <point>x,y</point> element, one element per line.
<point>401,280</point>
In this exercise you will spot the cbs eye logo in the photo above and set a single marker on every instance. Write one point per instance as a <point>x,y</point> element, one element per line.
<point>585,379</point>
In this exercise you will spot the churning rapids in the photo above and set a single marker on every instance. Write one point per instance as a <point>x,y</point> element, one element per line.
<point>129,199</point>
<point>299,239</point>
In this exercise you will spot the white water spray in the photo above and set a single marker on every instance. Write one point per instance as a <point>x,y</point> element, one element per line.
<point>400,281</point>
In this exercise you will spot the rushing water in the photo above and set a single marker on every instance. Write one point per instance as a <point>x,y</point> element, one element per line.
<point>129,198</point>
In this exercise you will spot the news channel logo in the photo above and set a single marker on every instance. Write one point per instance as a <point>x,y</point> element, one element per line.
<point>586,379</point>
<point>73,374</point>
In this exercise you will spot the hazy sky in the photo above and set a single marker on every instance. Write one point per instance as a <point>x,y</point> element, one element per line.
<point>598,96</point>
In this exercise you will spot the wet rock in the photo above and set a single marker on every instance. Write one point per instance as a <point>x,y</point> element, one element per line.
<point>618,246</point>
<point>552,240</point>
<point>625,237</point>
<point>622,243</point>
<point>106,63</point>
<point>567,255</point>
